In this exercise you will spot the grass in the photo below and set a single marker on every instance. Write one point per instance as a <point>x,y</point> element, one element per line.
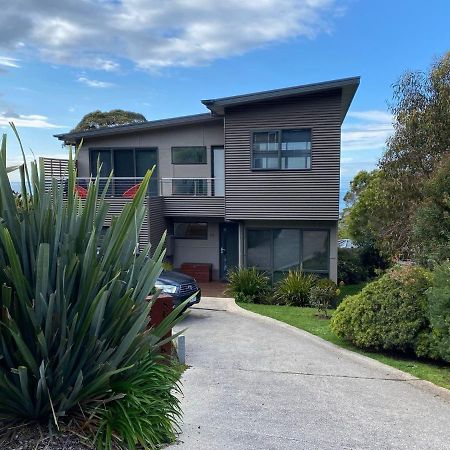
<point>306,319</point>
<point>349,289</point>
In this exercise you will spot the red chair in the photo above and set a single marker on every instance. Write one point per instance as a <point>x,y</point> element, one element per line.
<point>81,191</point>
<point>130,193</point>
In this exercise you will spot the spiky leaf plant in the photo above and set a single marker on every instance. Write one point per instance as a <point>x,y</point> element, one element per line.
<point>73,303</point>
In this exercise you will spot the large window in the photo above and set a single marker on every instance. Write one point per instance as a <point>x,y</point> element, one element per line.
<point>189,155</point>
<point>281,149</point>
<point>128,166</point>
<point>191,230</point>
<point>276,251</point>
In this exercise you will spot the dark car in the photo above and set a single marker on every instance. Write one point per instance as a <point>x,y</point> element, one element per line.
<point>179,286</point>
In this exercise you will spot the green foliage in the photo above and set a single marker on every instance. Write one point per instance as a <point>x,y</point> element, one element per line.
<point>144,408</point>
<point>356,265</point>
<point>248,285</point>
<point>99,119</point>
<point>323,296</point>
<point>431,229</point>
<point>389,313</point>
<point>74,307</point>
<point>439,304</point>
<point>350,268</point>
<point>383,209</point>
<point>294,288</point>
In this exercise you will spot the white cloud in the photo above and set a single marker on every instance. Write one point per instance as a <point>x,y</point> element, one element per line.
<point>154,34</point>
<point>9,62</point>
<point>27,121</point>
<point>95,83</point>
<point>366,130</point>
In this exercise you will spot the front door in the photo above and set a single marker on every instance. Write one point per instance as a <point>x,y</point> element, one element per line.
<point>229,248</point>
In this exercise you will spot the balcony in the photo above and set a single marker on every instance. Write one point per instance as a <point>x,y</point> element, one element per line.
<point>180,197</point>
<point>192,187</point>
<point>193,197</point>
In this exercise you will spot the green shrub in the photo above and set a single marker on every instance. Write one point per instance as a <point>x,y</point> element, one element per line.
<point>74,303</point>
<point>439,307</point>
<point>389,313</point>
<point>350,269</point>
<point>323,296</point>
<point>145,409</point>
<point>356,265</point>
<point>294,288</point>
<point>248,285</point>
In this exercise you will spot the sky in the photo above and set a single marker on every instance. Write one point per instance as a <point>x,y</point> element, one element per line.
<point>60,59</point>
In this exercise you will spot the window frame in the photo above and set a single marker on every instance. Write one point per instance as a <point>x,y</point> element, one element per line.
<point>301,230</point>
<point>175,147</point>
<point>191,238</point>
<point>279,132</point>
<point>111,150</point>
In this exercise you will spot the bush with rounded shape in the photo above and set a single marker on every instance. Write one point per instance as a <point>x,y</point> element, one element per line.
<point>389,313</point>
<point>294,288</point>
<point>439,307</point>
<point>248,285</point>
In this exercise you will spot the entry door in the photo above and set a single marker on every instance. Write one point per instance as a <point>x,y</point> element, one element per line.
<point>218,171</point>
<point>229,248</point>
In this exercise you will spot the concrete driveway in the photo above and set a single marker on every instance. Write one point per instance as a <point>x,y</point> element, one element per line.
<point>254,383</point>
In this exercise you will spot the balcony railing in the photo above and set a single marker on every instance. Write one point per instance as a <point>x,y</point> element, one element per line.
<point>192,187</point>
<point>126,187</point>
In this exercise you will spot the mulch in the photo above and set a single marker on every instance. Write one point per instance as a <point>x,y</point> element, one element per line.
<point>37,437</point>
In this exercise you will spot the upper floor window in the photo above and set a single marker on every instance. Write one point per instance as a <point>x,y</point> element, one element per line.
<point>127,164</point>
<point>189,155</point>
<point>281,149</point>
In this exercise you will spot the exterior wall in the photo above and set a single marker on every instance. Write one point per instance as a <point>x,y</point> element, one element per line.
<point>194,207</point>
<point>329,225</point>
<point>292,194</point>
<point>199,250</point>
<point>207,134</point>
<point>157,222</point>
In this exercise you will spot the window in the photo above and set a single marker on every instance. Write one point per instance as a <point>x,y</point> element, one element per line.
<point>189,186</point>
<point>258,249</point>
<point>281,150</point>
<point>277,251</point>
<point>192,230</point>
<point>125,163</point>
<point>189,155</point>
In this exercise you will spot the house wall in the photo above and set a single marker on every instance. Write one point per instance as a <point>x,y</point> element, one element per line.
<point>207,134</point>
<point>331,226</point>
<point>199,250</point>
<point>311,194</point>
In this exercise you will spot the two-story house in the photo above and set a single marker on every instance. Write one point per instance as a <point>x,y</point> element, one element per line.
<point>253,182</point>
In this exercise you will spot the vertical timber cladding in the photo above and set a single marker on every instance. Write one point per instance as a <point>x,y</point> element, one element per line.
<point>311,194</point>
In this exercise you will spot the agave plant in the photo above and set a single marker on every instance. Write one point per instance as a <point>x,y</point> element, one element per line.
<point>74,306</point>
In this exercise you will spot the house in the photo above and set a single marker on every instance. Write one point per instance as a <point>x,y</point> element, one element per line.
<point>253,182</point>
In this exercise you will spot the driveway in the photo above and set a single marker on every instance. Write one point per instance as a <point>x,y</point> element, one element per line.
<point>254,383</point>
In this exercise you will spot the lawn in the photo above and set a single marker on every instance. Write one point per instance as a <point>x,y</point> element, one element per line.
<point>306,319</point>
<point>349,289</point>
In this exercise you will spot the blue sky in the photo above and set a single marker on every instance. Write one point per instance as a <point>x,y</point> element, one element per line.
<point>62,59</point>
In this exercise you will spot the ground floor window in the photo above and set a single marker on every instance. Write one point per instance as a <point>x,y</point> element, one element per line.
<point>191,230</point>
<point>279,250</point>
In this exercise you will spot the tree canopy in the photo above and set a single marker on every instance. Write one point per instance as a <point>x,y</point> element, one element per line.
<point>382,205</point>
<point>99,119</point>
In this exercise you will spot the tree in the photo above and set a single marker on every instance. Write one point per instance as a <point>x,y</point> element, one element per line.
<point>421,111</point>
<point>99,119</point>
<point>382,204</point>
<point>431,227</point>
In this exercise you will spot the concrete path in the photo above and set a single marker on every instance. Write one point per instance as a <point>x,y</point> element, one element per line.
<point>254,383</point>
